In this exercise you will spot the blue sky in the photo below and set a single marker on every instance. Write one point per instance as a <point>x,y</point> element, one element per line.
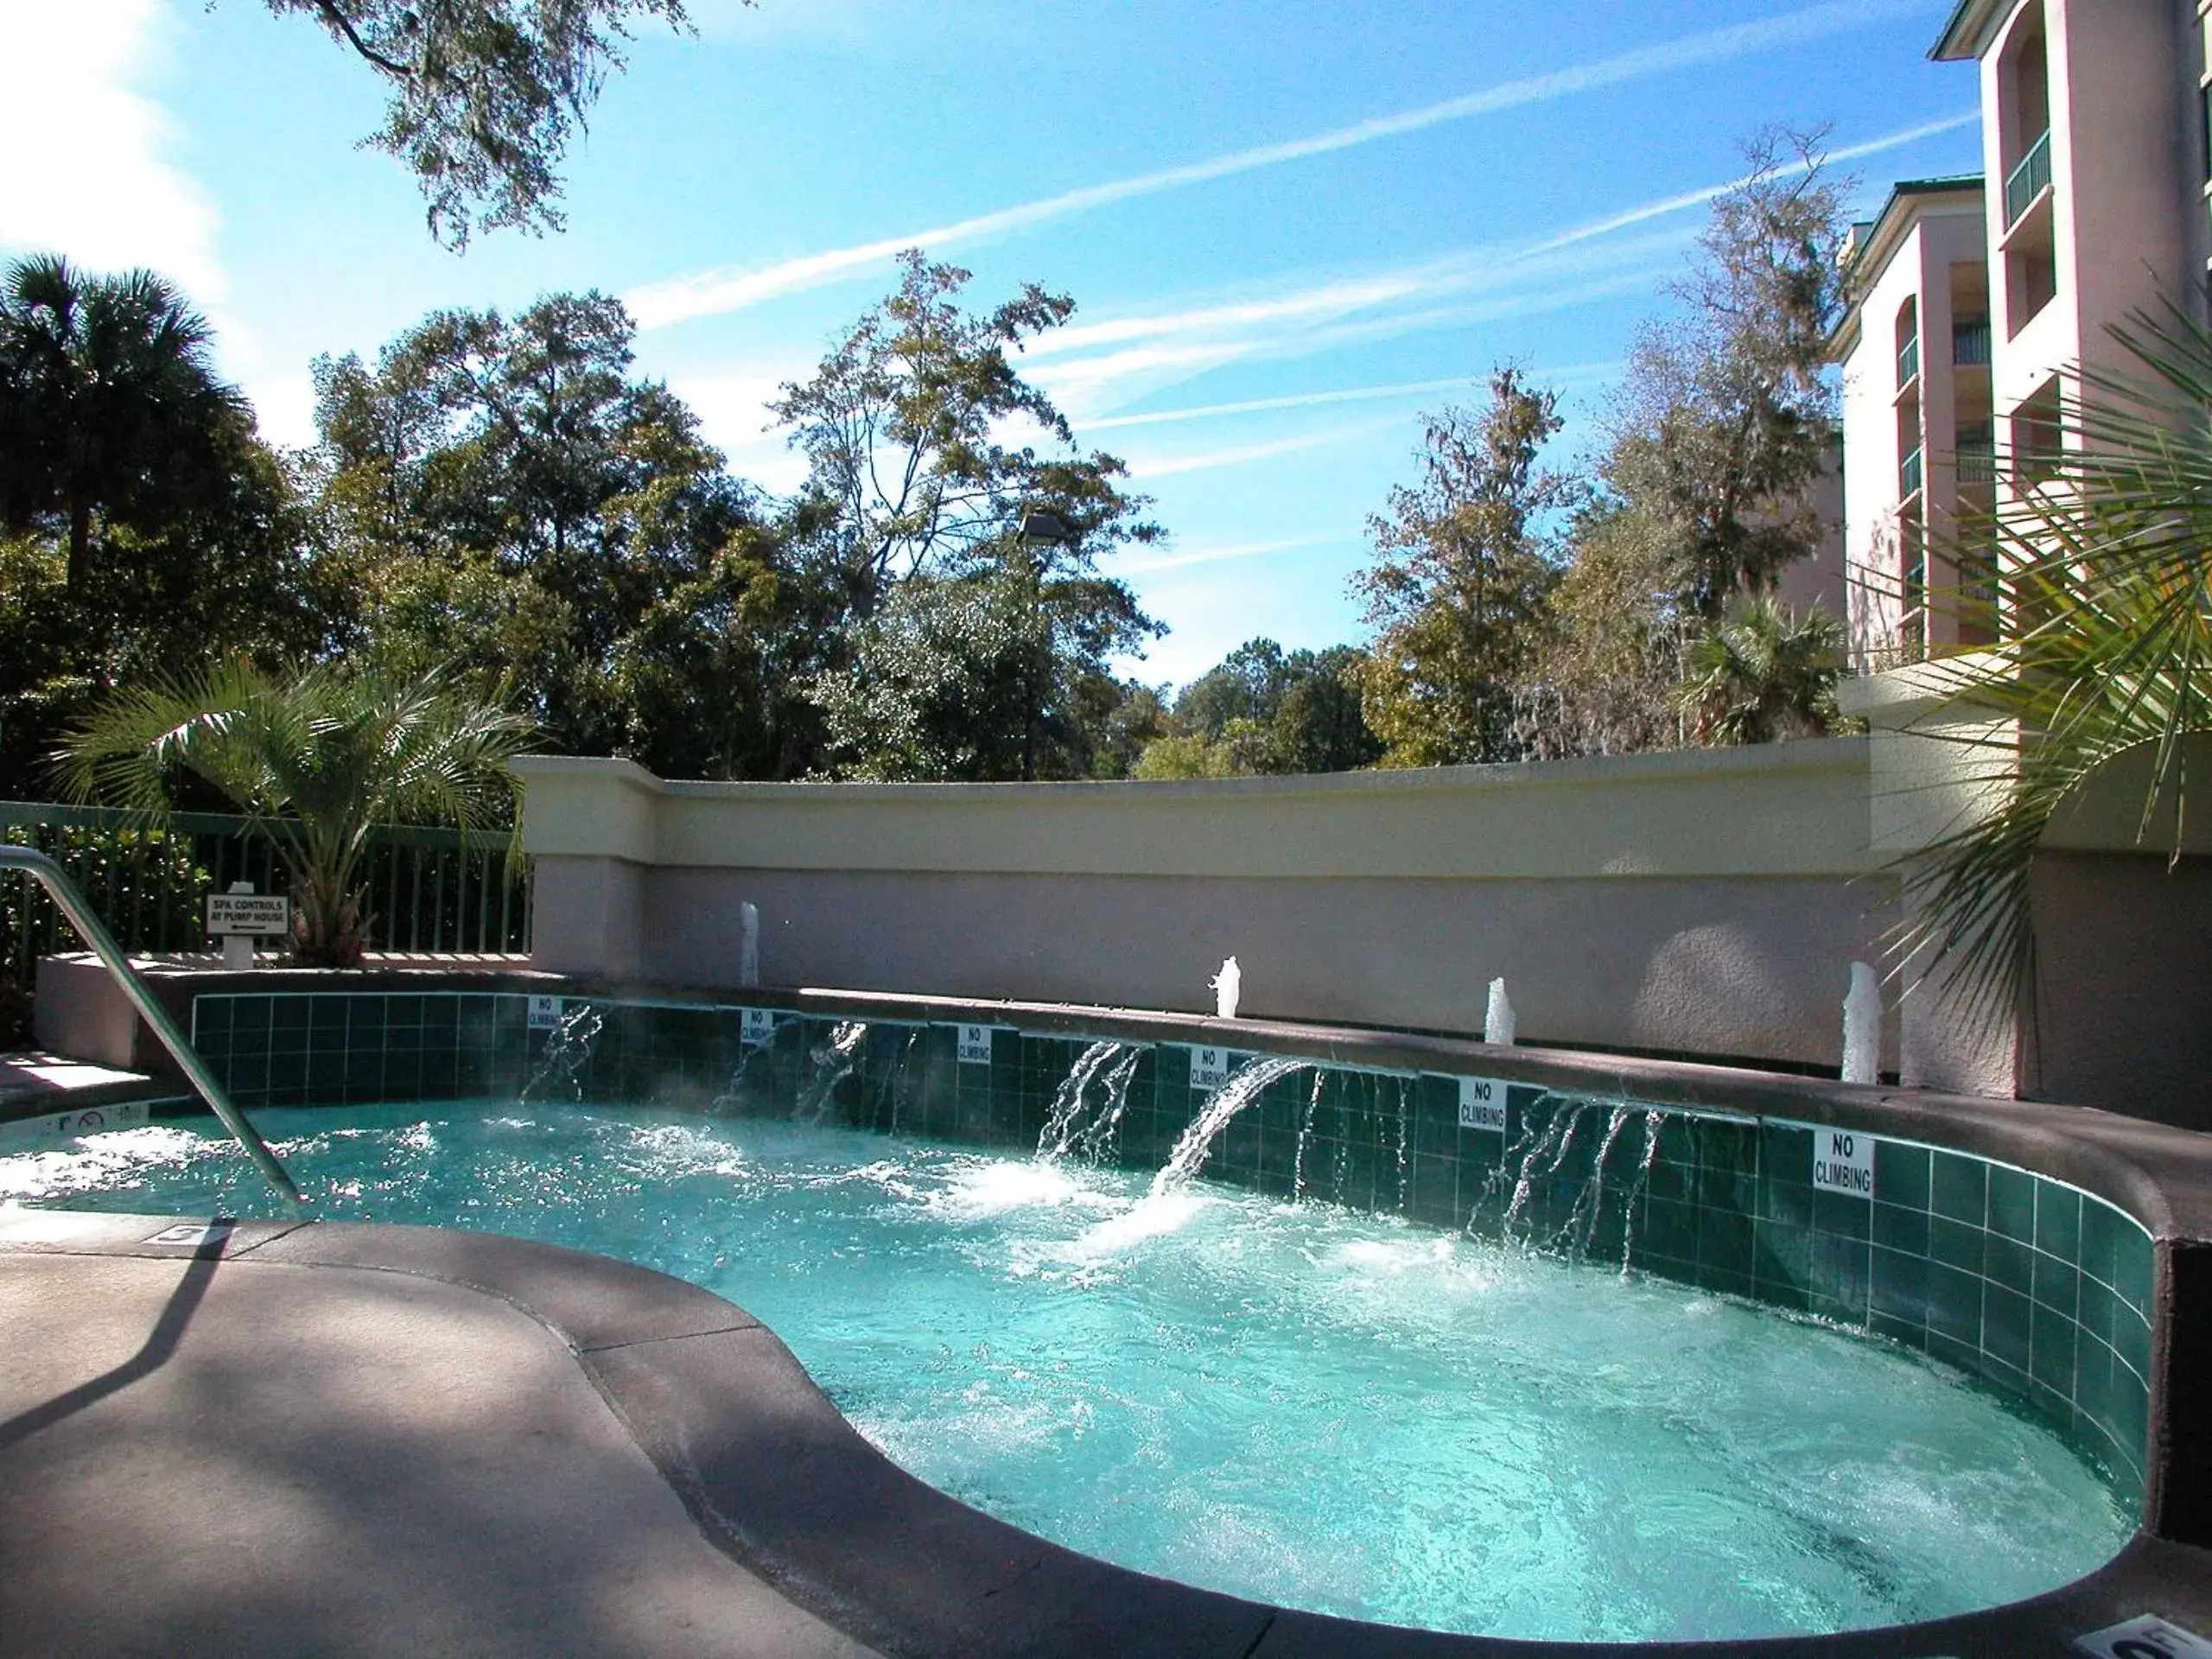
<point>1289,227</point>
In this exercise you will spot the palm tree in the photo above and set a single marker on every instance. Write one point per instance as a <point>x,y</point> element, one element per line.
<point>107,396</point>
<point>316,765</point>
<point>2104,548</point>
<point>1765,675</point>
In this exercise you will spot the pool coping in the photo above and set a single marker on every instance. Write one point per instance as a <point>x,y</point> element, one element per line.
<point>776,1478</point>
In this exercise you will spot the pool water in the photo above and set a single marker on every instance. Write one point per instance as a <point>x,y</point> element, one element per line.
<point>1290,1401</point>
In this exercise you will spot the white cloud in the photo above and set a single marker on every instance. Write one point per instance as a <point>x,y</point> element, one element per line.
<point>88,176</point>
<point>731,288</point>
<point>283,407</point>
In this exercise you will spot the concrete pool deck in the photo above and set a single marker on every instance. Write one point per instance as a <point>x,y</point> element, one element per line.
<point>274,1438</point>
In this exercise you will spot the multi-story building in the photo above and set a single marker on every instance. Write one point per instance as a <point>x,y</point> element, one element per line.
<point>1976,298</point>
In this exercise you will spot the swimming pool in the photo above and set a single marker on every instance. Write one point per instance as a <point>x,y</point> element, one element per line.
<point>1297,1400</point>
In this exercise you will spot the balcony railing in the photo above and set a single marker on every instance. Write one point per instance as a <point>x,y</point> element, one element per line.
<point>1908,362</point>
<point>1909,474</point>
<point>1977,459</point>
<point>1970,342</point>
<point>2027,180</point>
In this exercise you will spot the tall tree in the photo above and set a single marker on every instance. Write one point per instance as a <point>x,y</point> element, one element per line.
<point>914,479</point>
<point>109,407</point>
<point>486,94</point>
<point>1464,562</point>
<point>508,498</point>
<point>144,527</point>
<point>1728,416</point>
<point>1606,672</point>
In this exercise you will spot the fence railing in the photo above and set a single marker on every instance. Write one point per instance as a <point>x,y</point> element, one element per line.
<point>2028,179</point>
<point>428,890</point>
<point>1970,342</point>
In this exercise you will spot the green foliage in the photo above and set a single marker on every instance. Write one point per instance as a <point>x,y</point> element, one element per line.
<point>1264,710</point>
<point>143,524</point>
<point>504,498</point>
<point>1463,569</point>
<point>911,484</point>
<point>1727,418</point>
<point>1607,671</point>
<point>316,764</point>
<point>2105,551</point>
<point>1765,675</point>
<point>486,94</point>
<point>147,882</point>
<point>972,677</point>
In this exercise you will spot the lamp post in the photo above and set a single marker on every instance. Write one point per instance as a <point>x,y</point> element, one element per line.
<point>1039,529</point>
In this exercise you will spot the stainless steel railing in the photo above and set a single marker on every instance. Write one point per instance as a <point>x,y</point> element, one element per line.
<point>71,903</point>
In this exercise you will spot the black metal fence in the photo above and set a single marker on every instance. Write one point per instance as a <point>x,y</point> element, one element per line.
<point>428,890</point>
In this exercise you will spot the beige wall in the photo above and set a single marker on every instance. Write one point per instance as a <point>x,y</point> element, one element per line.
<point>1706,902</point>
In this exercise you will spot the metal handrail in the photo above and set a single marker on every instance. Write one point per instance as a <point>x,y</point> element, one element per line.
<point>60,888</point>
<point>2028,180</point>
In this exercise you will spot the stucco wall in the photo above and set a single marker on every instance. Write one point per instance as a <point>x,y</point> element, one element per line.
<point>2122,1016</point>
<point>1706,902</point>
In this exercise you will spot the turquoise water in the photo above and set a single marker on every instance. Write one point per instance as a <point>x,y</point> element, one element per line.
<point>1290,1401</point>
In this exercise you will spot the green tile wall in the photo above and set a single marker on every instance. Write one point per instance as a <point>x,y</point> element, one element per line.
<point>2041,1291</point>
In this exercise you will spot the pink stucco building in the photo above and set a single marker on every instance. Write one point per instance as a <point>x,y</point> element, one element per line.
<point>1975,298</point>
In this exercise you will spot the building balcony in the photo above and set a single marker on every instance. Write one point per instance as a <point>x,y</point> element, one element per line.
<point>1909,475</point>
<point>1970,343</point>
<point>1977,461</point>
<point>2028,180</point>
<point>1908,362</point>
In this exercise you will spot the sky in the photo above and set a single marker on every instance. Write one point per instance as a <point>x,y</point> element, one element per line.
<point>1290,226</point>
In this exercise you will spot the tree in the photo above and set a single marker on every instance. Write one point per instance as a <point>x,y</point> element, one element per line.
<point>900,427</point>
<point>942,682</point>
<point>1464,563</point>
<point>110,408</point>
<point>1263,710</point>
<point>1728,417</point>
<point>143,526</point>
<point>2105,550</point>
<point>505,497</point>
<point>486,94</point>
<point>1607,675</point>
<point>912,480</point>
<point>317,764</point>
<point>1765,675</point>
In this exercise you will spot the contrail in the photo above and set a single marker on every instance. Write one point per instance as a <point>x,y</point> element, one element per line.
<point>1348,395</point>
<point>730,288</point>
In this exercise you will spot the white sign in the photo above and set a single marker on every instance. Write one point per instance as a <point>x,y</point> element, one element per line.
<point>1209,1067</point>
<point>1843,1161</point>
<point>2146,1637</point>
<point>238,915</point>
<point>1482,1104</point>
<point>759,1027</point>
<point>974,1044</point>
<point>544,1013</point>
<point>186,1232</point>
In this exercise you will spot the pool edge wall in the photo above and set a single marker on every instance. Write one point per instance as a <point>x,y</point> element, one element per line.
<point>1703,901</point>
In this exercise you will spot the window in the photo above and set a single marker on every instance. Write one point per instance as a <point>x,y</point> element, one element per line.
<point>2038,444</point>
